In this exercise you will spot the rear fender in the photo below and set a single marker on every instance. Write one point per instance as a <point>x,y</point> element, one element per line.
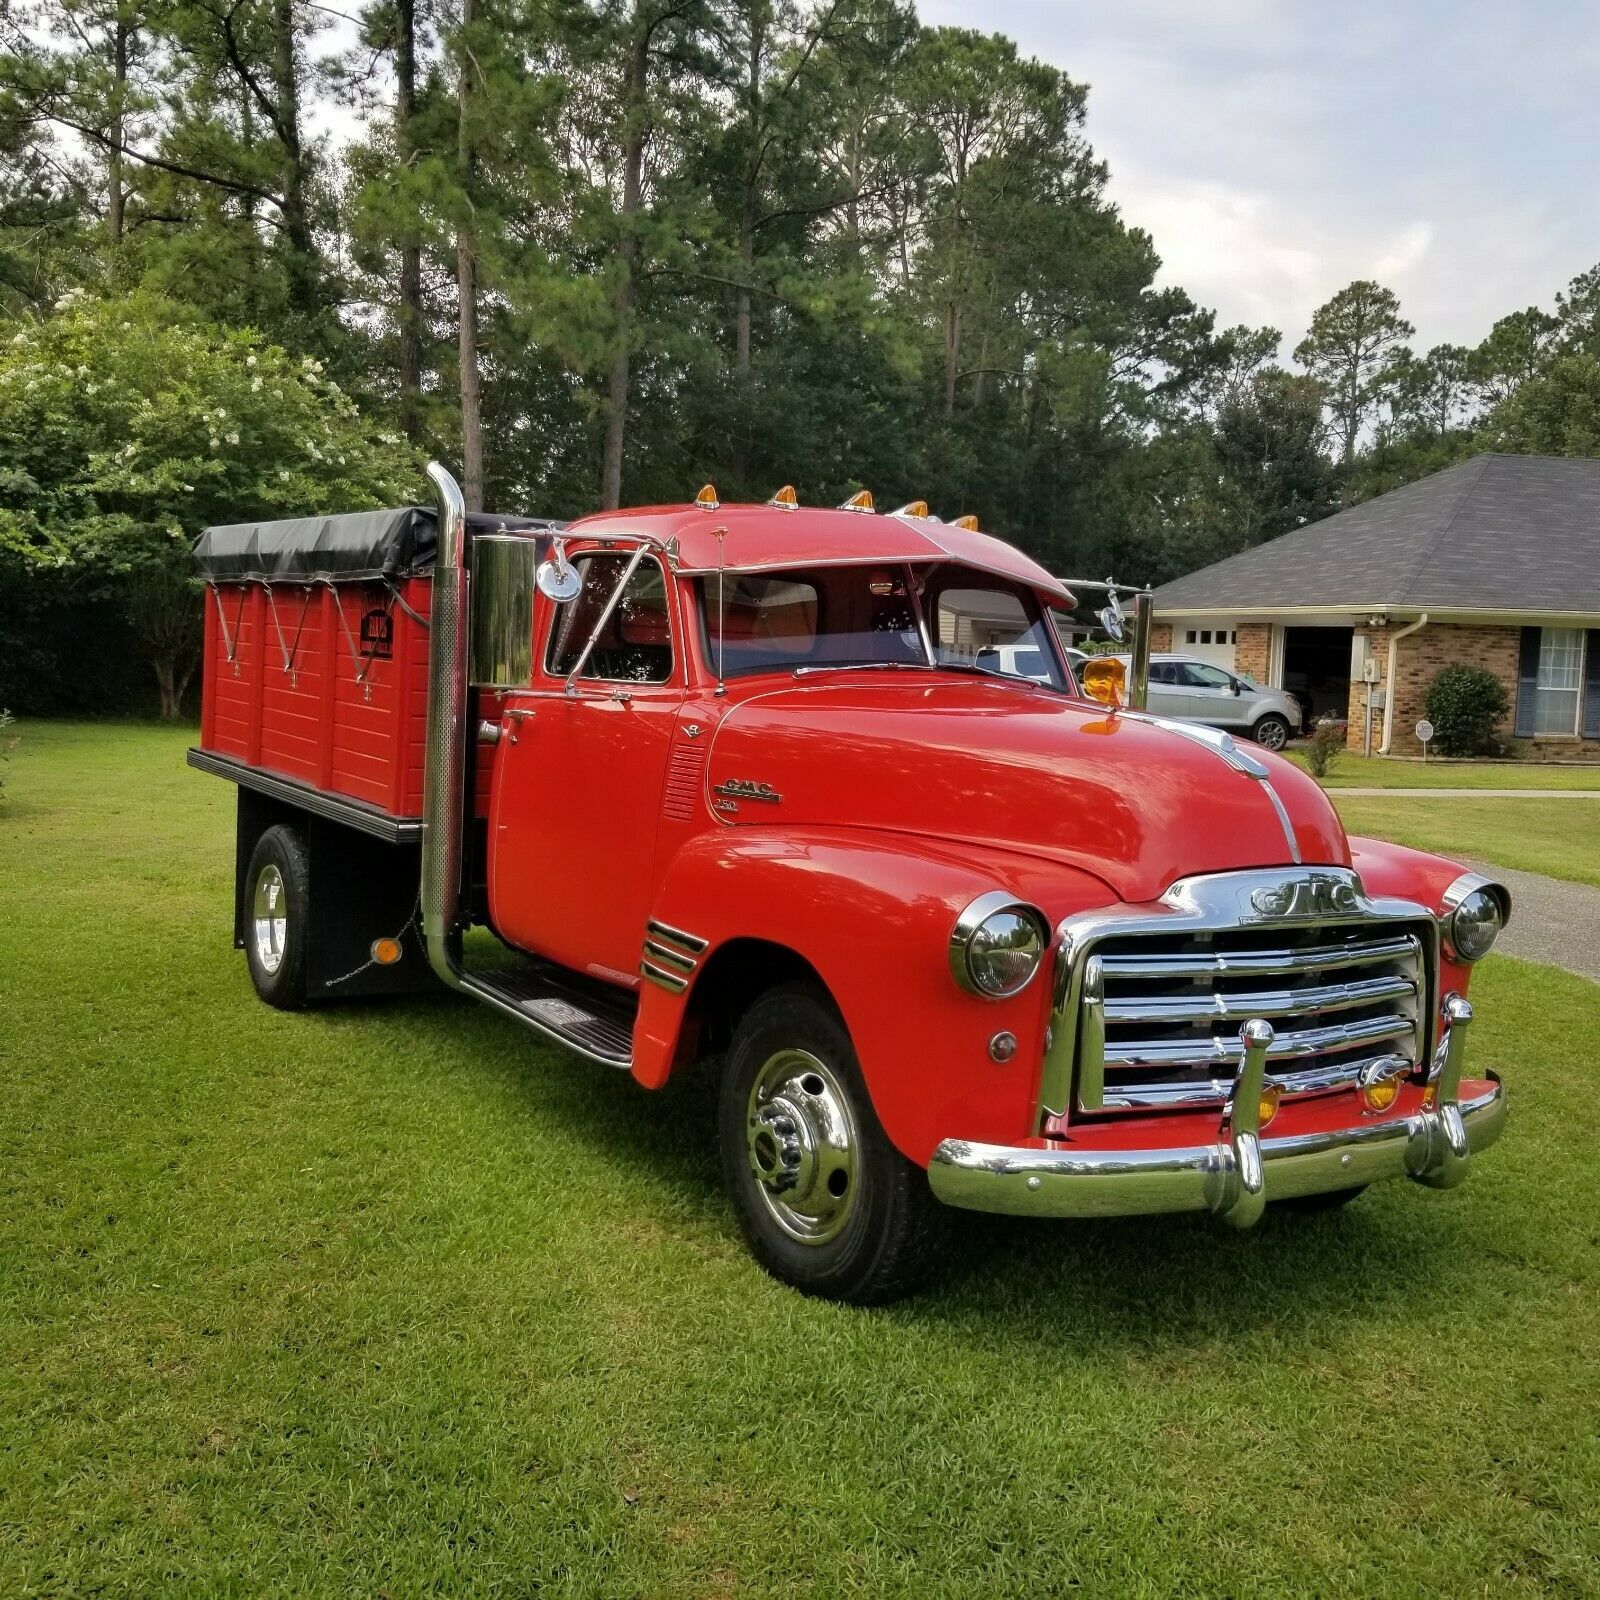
<point>870,915</point>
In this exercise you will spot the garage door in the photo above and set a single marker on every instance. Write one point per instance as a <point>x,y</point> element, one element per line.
<point>1211,644</point>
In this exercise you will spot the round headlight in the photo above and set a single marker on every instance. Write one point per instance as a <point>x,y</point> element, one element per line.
<point>1474,925</point>
<point>996,946</point>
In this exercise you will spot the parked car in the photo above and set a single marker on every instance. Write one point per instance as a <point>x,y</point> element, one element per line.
<point>1181,686</point>
<point>1029,661</point>
<point>725,785</point>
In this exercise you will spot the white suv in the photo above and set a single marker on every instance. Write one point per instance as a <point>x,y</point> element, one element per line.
<point>1181,686</point>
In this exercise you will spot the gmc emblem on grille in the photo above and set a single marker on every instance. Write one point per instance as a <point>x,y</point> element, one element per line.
<point>1314,895</point>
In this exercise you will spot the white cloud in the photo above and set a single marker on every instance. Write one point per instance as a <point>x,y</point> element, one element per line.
<point>1277,150</point>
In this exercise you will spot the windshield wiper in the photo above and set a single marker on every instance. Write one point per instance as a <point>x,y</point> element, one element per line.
<point>864,666</point>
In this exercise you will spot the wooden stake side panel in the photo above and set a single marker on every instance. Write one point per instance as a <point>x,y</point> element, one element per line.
<point>332,692</point>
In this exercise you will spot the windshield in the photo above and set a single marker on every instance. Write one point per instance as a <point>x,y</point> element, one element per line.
<point>819,617</point>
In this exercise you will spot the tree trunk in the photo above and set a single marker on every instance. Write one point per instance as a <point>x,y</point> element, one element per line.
<point>471,393</point>
<point>296,215</point>
<point>116,199</point>
<point>166,683</point>
<point>252,251</point>
<point>952,355</point>
<point>410,308</point>
<point>634,130</point>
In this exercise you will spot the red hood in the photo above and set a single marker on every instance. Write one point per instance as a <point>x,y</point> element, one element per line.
<point>999,765</point>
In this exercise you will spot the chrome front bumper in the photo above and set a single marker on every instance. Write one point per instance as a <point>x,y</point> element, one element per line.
<point>1235,1176</point>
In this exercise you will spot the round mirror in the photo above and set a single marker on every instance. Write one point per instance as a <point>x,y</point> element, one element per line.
<point>557,578</point>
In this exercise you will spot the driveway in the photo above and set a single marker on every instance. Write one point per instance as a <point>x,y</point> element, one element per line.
<point>1551,920</point>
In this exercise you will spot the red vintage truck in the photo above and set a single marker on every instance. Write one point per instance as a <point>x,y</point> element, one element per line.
<point>746,783</point>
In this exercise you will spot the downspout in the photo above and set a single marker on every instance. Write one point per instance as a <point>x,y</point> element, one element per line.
<point>443,768</point>
<point>1388,693</point>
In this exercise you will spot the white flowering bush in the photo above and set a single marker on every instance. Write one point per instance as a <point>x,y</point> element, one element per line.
<point>129,427</point>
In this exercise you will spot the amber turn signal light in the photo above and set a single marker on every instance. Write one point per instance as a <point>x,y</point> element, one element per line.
<point>1380,1095</point>
<point>1105,679</point>
<point>707,498</point>
<point>386,951</point>
<point>1267,1105</point>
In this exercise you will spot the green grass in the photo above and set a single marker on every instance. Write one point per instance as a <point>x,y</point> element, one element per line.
<point>1376,772</point>
<point>1560,838</point>
<point>387,1300</point>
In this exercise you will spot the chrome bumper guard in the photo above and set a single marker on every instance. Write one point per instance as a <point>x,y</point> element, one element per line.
<point>1236,1176</point>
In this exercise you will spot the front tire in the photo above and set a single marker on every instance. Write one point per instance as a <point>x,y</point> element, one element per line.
<point>826,1203</point>
<point>1271,732</point>
<point>277,916</point>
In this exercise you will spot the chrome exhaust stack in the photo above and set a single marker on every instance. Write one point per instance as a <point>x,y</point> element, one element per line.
<point>444,752</point>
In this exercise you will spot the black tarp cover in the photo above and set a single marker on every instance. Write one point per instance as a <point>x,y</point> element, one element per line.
<point>356,547</point>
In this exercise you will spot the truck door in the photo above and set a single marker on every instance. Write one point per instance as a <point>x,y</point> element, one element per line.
<point>578,776</point>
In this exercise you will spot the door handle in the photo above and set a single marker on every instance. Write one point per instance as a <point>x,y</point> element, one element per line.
<point>516,714</point>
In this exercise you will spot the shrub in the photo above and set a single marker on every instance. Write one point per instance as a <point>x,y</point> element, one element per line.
<point>1464,704</point>
<point>1327,740</point>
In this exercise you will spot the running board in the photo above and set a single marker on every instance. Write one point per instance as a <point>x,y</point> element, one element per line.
<point>578,1013</point>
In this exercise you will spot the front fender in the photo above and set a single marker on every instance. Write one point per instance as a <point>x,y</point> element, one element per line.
<point>1396,869</point>
<point>872,914</point>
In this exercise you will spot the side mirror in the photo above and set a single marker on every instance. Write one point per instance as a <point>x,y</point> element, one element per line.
<point>557,578</point>
<point>1233,683</point>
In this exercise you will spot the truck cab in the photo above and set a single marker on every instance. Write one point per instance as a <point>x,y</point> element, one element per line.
<point>760,785</point>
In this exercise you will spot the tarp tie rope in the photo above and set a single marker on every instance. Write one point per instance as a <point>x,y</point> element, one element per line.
<point>289,651</point>
<point>363,665</point>
<point>399,600</point>
<point>230,641</point>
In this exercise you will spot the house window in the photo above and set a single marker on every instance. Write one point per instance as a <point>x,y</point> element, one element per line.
<point>1560,681</point>
<point>1189,636</point>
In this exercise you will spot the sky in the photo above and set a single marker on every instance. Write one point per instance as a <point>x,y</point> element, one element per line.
<point>1276,151</point>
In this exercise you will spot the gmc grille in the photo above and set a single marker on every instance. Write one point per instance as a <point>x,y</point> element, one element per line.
<point>1159,1015</point>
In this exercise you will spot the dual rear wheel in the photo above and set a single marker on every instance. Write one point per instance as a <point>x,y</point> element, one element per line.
<point>277,905</point>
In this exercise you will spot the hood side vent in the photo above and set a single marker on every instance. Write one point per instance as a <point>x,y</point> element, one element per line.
<point>684,775</point>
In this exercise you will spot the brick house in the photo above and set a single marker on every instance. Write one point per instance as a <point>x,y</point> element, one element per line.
<point>1493,562</point>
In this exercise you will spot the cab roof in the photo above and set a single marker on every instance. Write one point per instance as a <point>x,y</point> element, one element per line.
<point>765,538</point>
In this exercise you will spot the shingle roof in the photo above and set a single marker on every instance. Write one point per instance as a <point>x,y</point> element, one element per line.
<point>1497,532</point>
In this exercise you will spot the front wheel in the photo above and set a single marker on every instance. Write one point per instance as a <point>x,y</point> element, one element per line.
<point>827,1204</point>
<point>1271,732</point>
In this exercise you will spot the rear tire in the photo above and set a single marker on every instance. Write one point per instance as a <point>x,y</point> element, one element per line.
<point>1331,1200</point>
<point>826,1203</point>
<point>1271,732</point>
<point>277,920</point>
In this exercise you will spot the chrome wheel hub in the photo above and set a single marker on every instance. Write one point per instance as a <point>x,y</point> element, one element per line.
<point>802,1141</point>
<point>269,914</point>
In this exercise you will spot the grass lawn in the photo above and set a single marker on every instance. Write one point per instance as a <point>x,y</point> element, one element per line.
<point>387,1300</point>
<point>1560,838</point>
<point>1376,772</point>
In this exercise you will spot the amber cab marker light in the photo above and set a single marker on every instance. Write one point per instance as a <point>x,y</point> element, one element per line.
<point>386,951</point>
<point>860,501</point>
<point>1105,679</point>
<point>914,508</point>
<point>786,499</point>
<point>970,523</point>
<point>707,498</point>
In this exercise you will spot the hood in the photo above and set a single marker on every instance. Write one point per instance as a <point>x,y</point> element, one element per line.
<point>1000,766</point>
